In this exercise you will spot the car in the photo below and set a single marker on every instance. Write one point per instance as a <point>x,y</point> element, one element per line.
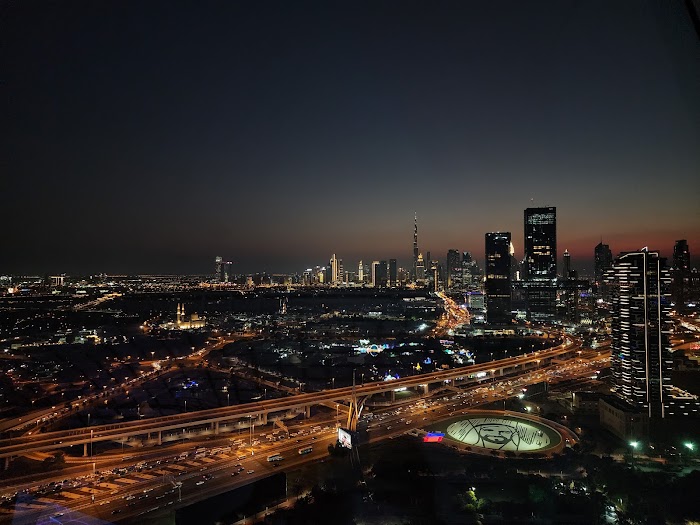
<point>234,473</point>
<point>250,471</point>
<point>116,511</point>
<point>200,482</point>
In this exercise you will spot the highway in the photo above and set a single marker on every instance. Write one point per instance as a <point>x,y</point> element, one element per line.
<point>153,490</point>
<point>62,439</point>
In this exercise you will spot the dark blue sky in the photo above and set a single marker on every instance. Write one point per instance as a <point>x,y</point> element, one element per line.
<point>152,136</point>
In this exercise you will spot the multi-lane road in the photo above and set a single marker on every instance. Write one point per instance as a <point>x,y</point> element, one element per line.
<point>220,416</point>
<point>152,491</point>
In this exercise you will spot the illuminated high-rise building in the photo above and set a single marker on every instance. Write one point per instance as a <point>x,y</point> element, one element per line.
<point>360,272</point>
<point>374,275</point>
<point>497,285</point>
<point>414,273</point>
<point>420,268</point>
<point>566,271</point>
<point>640,350</point>
<point>454,270</point>
<point>541,262</point>
<point>333,265</point>
<point>681,272</point>
<point>541,243</point>
<point>218,262</point>
<point>471,274</point>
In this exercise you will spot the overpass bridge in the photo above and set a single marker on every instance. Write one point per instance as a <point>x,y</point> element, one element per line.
<point>214,418</point>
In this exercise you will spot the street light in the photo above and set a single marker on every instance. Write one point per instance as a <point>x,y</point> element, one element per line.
<point>690,446</point>
<point>634,445</point>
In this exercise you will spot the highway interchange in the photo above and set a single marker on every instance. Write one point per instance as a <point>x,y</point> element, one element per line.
<point>151,488</point>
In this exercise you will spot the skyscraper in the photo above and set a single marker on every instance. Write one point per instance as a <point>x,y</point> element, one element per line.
<point>566,271</point>
<point>375,273</point>
<point>420,268</point>
<point>454,270</point>
<point>497,286</point>
<point>471,273</point>
<point>603,262</point>
<point>333,264</point>
<point>393,273</point>
<point>383,274</point>
<point>541,262</point>
<point>640,356</point>
<point>541,243</point>
<point>360,272</point>
<point>680,272</point>
<point>217,268</point>
<point>414,273</point>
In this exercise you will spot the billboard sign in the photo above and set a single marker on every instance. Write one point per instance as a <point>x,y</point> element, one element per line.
<point>344,438</point>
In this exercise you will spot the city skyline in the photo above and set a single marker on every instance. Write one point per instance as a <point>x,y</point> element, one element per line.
<point>150,140</point>
<point>584,264</point>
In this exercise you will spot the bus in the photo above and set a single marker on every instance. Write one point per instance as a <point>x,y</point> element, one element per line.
<point>275,457</point>
<point>305,450</point>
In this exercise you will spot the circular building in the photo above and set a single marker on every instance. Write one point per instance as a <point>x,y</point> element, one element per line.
<point>488,431</point>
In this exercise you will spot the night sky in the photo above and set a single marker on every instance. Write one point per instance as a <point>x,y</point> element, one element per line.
<point>153,136</point>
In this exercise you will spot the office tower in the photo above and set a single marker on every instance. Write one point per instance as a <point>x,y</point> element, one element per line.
<point>680,272</point>
<point>566,272</point>
<point>333,265</point>
<point>307,277</point>
<point>383,274</point>
<point>360,272</point>
<point>603,262</point>
<point>497,284</point>
<point>541,262</point>
<point>541,243</point>
<point>341,271</point>
<point>640,357</point>
<point>379,273</point>
<point>454,270</point>
<point>393,275</point>
<point>420,268</point>
<point>217,268</point>
<point>471,273</point>
<point>570,288</point>
<point>414,273</point>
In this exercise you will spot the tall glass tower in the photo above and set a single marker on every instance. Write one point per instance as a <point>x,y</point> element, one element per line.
<point>541,262</point>
<point>540,243</point>
<point>497,286</point>
<point>641,359</point>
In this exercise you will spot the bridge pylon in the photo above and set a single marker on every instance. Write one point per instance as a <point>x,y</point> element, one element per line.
<point>355,408</point>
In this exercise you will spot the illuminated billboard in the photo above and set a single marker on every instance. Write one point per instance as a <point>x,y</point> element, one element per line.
<point>433,437</point>
<point>344,438</point>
